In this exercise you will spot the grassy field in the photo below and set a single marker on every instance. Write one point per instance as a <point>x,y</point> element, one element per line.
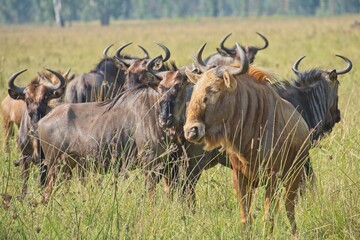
<point>115,208</point>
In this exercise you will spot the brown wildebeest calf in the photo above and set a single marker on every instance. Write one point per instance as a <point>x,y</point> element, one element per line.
<point>266,139</point>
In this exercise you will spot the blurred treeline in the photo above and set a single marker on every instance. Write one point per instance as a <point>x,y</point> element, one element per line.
<point>46,11</point>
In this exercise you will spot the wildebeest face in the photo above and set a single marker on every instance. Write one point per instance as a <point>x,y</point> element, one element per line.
<point>206,113</point>
<point>137,74</point>
<point>172,89</point>
<point>333,115</point>
<point>37,94</point>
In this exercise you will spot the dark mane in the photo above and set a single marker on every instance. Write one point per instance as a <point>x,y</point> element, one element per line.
<point>103,61</point>
<point>112,102</point>
<point>170,66</point>
<point>304,79</point>
<point>308,78</point>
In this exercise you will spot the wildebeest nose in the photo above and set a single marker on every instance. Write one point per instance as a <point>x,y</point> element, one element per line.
<point>170,120</point>
<point>166,121</point>
<point>193,133</point>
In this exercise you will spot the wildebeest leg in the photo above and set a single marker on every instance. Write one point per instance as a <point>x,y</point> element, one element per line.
<point>150,184</point>
<point>25,162</point>
<point>292,186</point>
<point>242,187</point>
<point>8,129</point>
<point>271,199</point>
<point>53,171</point>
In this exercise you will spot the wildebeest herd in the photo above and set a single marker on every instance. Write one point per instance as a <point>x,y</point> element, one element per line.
<point>148,113</point>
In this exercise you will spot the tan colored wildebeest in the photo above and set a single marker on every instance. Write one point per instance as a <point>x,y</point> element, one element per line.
<point>11,111</point>
<point>39,97</point>
<point>267,140</point>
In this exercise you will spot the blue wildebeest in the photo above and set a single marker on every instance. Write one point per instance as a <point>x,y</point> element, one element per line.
<point>124,130</point>
<point>38,98</point>
<point>175,91</point>
<point>314,94</point>
<point>226,56</point>
<point>266,139</point>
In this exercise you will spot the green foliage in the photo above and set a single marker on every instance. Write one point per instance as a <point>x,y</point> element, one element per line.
<point>88,10</point>
<point>110,207</point>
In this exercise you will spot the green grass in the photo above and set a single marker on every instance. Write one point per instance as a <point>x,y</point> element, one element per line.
<point>110,208</point>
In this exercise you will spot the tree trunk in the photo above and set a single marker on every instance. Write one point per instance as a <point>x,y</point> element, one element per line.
<point>57,9</point>
<point>105,18</point>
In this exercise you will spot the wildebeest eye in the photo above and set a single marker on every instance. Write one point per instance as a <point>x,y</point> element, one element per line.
<point>212,90</point>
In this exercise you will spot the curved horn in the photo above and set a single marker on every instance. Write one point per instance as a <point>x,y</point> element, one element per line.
<point>106,50</point>
<point>118,51</point>
<point>12,85</point>
<point>265,40</point>
<point>199,60</point>
<point>243,60</point>
<point>150,67</point>
<point>167,51</point>
<point>296,65</point>
<point>61,82</point>
<point>227,50</point>
<point>146,52</point>
<point>348,67</point>
<point>67,73</point>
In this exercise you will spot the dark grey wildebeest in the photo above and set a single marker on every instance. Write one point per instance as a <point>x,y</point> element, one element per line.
<point>175,91</point>
<point>314,93</point>
<point>227,56</point>
<point>124,130</point>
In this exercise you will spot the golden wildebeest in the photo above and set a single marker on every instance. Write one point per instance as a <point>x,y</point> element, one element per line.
<point>39,98</point>
<point>267,140</point>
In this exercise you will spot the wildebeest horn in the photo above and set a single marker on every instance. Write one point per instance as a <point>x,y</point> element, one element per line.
<point>150,67</point>
<point>296,65</point>
<point>67,73</point>
<point>118,51</point>
<point>243,60</point>
<point>106,50</point>
<point>265,40</point>
<point>146,52</point>
<point>227,50</point>
<point>348,67</point>
<point>167,51</point>
<point>199,60</point>
<point>61,78</point>
<point>12,85</point>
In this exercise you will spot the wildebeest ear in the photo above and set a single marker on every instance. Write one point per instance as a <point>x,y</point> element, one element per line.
<point>193,77</point>
<point>333,75</point>
<point>229,80</point>
<point>15,95</point>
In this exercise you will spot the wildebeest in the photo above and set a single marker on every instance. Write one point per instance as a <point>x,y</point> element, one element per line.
<point>124,129</point>
<point>314,93</point>
<point>226,56</point>
<point>266,139</point>
<point>175,91</point>
<point>37,97</point>
<point>11,111</point>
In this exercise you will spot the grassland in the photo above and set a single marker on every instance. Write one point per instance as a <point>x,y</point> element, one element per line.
<point>115,208</point>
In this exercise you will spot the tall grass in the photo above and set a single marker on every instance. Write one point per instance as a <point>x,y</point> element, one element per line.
<point>117,207</point>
